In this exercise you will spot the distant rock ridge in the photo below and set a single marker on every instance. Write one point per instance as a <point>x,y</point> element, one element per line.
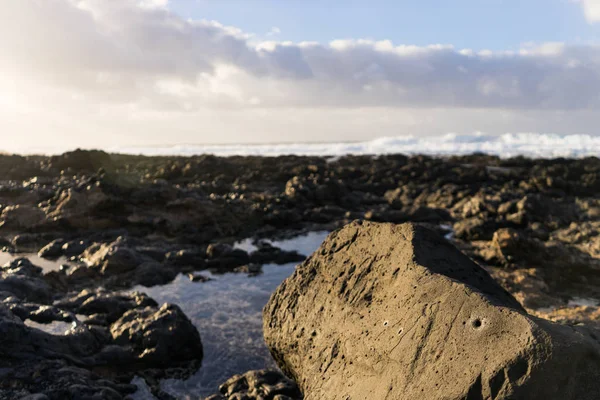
<point>384,311</point>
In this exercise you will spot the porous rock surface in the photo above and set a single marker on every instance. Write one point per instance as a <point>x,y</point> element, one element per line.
<point>385,311</point>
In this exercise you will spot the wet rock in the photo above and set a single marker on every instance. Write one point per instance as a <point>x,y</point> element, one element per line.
<point>196,277</point>
<point>23,280</point>
<point>187,258</point>
<point>102,302</point>
<point>250,269</point>
<point>267,253</point>
<point>395,311</point>
<point>255,385</point>
<point>22,266</point>
<point>158,337</point>
<point>54,249</point>
<point>225,256</point>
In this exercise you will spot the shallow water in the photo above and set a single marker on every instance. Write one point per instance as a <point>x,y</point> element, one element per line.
<point>583,301</point>
<point>46,265</point>
<point>228,314</point>
<point>54,327</point>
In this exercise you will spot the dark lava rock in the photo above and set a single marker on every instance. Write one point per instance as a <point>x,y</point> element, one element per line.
<point>267,253</point>
<point>124,335</point>
<point>153,273</point>
<point>196,277</point>
<point>110,304</point>
<point>158,337</point>
<point>222,256</point>
<point>21,217</point>
<point>258,385</point>
<point>23,280</point>
<point>184,258</point>
<point>54,249</point>
<point>74,247</point>
<point>82,161</point>
<point>113,258</point>
<point>250,269</point>
<point>394,311</point>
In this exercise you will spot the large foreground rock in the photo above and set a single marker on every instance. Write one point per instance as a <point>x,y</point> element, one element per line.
<point>386,311</point>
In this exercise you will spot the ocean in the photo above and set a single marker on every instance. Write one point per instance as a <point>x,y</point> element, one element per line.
<point>533,145</point>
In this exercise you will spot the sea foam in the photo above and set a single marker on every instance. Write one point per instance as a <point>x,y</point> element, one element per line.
<point>533,145</point>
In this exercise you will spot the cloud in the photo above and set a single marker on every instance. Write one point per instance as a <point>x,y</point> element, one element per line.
<point>138,52</point>
<point>591,9</point>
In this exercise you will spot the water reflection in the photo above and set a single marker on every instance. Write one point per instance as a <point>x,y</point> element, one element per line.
<point>228,314</point>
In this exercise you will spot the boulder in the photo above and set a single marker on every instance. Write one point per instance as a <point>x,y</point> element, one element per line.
<point>158,337</point>
<point>113,258</point>
<point>23,280</point>
<point>395,311</point>
<point>54,249</point>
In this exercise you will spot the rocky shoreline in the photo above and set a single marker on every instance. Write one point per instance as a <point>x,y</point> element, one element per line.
<point>120,221</point>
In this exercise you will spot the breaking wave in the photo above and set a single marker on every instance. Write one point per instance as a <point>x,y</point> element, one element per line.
<point>533,145</point>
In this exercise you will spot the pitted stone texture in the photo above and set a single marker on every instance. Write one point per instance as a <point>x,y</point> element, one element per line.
<point>385,311</point>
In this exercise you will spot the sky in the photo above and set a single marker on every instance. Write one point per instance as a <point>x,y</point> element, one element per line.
<point>116,73</point>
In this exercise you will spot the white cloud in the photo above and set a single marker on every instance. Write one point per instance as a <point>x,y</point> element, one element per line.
<point>591,8</point>
<point>75,62</point>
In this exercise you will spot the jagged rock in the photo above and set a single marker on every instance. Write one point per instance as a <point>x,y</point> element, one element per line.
<point>124,335</point>
<point>22,266</point>
<point>23,280</point>
<point>111,304</point>
<point>394,311</point>
<point>158,337</point>
<point>258,385</point>
<point>113,258</point>
<point>74,247</point>
<point>54,249</point>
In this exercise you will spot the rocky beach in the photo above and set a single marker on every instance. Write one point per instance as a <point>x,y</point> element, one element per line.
<point>455,277</point>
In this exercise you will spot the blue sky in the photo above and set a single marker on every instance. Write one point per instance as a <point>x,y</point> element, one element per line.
<point>476,24</point>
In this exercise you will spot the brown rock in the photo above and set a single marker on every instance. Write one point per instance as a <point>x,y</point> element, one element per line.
<point>394,311</point>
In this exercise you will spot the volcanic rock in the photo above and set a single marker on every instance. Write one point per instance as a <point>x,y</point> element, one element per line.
<point>395,311</point>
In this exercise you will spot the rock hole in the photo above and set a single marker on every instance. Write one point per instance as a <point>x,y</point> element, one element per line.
<point>477,323</point>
